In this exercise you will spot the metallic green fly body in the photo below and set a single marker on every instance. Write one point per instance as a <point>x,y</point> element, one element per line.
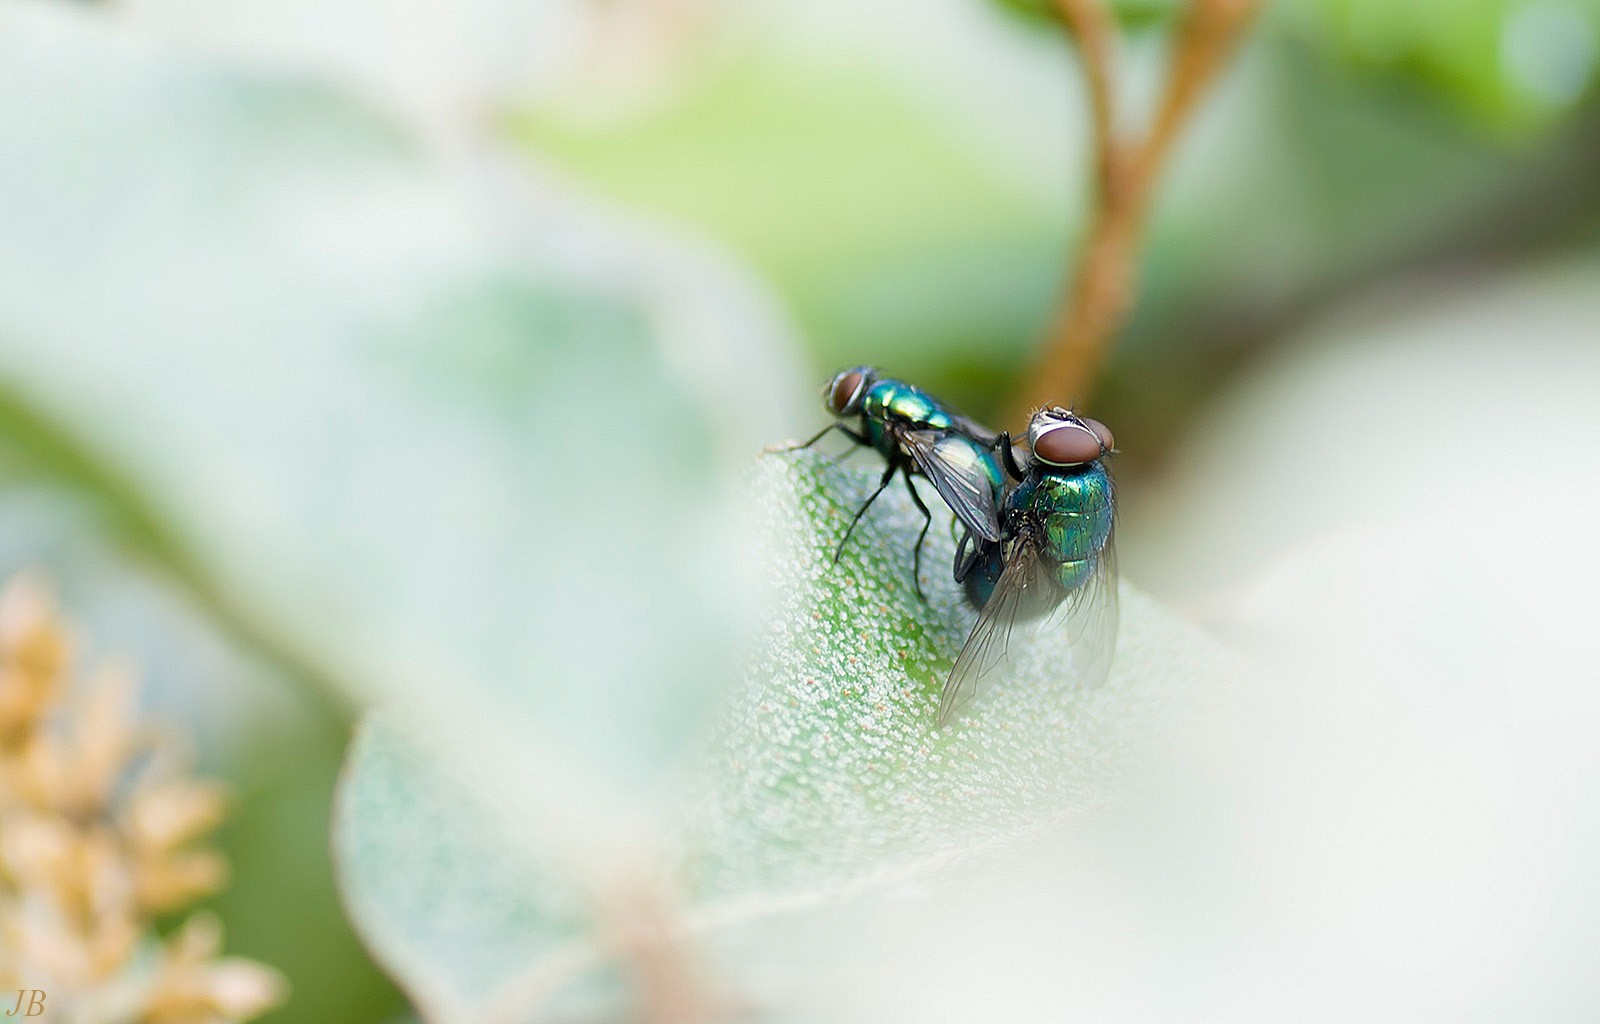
<point>916,435</point>
<point>1055,560</point>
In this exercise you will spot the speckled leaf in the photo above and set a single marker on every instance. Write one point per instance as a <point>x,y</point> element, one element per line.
<point>447,896</point>
<point>827,768</point>
<point>823,772</point>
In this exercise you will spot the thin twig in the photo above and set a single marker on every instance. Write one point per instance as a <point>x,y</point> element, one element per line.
<point>1104,284</point>
<point>1207,36</point>
<point>1091,26</point>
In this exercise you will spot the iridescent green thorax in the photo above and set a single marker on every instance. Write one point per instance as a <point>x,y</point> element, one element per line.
<point>893,401</point>
<point>1073,512</point>
<point>908,408</point>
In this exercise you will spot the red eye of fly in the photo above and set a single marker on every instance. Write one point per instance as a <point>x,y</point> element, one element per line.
<point>1103,432</point>
<point>1067,444</point>
<point>843,393</point>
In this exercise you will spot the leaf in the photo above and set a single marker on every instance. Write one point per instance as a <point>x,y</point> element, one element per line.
<point>824,771</point>
<point>1513,66</point>
<point>446,896</point>
<point>895,235</point>
<point>416,421</point>
<point>436,64</point>
<point>827,765</point>
<point>1131,13</point>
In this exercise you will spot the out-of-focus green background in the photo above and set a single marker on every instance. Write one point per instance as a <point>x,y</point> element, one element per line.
<point>1353,141</point>
<point>908,181</point>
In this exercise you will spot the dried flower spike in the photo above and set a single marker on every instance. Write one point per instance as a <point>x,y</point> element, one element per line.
<point>101,829</point>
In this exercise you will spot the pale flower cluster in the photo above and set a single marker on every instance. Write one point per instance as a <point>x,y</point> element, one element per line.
<point>102,831</point>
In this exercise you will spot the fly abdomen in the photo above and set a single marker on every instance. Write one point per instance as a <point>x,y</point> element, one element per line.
<point>1071,575</point>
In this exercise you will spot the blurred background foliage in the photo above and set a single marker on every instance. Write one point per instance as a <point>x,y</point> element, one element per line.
<point>1353,140</point>
<point>909,182</point>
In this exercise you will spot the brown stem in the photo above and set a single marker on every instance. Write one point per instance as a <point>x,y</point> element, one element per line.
<point>1091,26</point>
<point>1105,283</point>
<point>1207,36</point>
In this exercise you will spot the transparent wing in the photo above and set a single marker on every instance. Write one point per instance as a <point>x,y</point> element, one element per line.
<point>1019,588</point>
<point>973,429</point>
<point>958,474</point>
<point>1088,615</point>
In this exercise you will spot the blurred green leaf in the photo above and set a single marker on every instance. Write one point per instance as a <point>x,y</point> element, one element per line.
<point>892,243</point>
<point>1513,64</point>
<point>367,392</point>
<point>1132,13</point>
<point>825,771</point>
<point>1509,64</point>
<point>282,902</point>
<point>414,424</point>
<point>447,897</point>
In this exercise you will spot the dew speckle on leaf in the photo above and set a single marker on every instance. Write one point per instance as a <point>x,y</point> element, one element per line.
<point>841,694</point>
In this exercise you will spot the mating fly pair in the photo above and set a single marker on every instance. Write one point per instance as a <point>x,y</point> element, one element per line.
<point>1038,541</point>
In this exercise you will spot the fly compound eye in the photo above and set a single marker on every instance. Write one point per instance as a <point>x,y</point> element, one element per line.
<point>1065,442</point>
<point>844,392</point>
<point>1045,420</point>
<point>1103,432</point>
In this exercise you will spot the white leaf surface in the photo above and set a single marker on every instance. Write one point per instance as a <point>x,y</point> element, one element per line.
<point>441,431</point>
<point>824,773</point>
<point>827,764</point>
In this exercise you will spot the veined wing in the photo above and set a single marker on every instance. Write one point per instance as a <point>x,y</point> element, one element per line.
<point>1089,616</point>
<point>1020,587</point>
<point>975,430</point>
<point>956,468</point>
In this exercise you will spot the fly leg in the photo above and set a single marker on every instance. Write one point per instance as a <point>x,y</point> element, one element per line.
<point>927,521</point>
<point>802,446</point>
<point>861,439</point>
<point>1008,458</point>
<point>964,560</point>
<point>888,474</point>
<point>958,529</point>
